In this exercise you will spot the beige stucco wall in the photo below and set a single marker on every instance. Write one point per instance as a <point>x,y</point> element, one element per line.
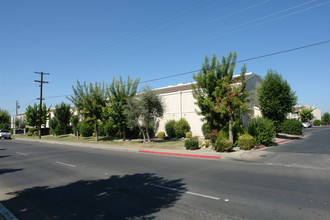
<point>179,105</point>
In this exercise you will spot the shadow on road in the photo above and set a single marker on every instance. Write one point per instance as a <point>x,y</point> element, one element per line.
<point>3,171</point>
<point>119,197</point>
<point>288,137</point>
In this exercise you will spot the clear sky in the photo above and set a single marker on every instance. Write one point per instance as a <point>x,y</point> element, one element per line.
<point>95,40</point>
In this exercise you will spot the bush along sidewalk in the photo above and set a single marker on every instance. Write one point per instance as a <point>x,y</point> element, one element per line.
<point>191,143</point>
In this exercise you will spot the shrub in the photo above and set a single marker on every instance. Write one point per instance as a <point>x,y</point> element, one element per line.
<point>161,135</point>
<point>169,128</point>
<point>324,123</point>
<point>189,134</point>
<point>245,142</point>
<point>291,126</point>
<point>222,144</point>
<point>206,129</point>
<point>33,132</point>
<point>86,129</point>
<point>224,132</point>
<point>110,129</point>
<point>191,143</point>
<point>181,127</point>
<point>214,135</point>
<point>237,131</point>
<point>263,130</point>
<point>317,123</point>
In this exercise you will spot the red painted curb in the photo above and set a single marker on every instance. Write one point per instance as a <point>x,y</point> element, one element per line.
<point>259,147</point>
<point>178,154</point>
<point>283,141</point>
<point>278,142</point>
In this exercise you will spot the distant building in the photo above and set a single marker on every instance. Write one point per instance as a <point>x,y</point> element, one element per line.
<point>180,103</point>
<point>295,113</point>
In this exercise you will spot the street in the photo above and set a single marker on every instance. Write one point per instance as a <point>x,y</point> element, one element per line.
<point>52,181</point>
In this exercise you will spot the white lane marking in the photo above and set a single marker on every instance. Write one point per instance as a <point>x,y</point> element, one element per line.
<point>24,154</point>
<point>65,164</point>
<point>185,191</point>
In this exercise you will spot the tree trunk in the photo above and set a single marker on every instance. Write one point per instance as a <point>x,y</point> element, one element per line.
<point>231,137</point>
<point>148,136</point>
<point>96,132</point>
<point>142,132</point>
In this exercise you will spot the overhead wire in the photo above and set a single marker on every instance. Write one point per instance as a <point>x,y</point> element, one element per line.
<point>136,32</point>
<point>225,32</point>
<point>239,61</point>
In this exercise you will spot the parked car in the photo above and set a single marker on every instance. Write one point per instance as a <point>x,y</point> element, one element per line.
<point>307,124</point>
<point>5,134</point>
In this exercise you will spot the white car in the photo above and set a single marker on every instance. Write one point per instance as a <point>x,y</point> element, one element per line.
<point>5,134</point>
<point>307,124</point>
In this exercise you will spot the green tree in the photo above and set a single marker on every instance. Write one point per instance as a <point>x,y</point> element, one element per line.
<point>306,114</point>
<point>153,108</point>
<point>75,124</point>
<point>204,90</point>
<point>143,110</point>
<point>62,115</point>
<point>32,115</point>
<point>20,122</point>
<point>118,92</point>
<point>4,119</point>
<point>275,97</point>
<point>219,94</point>
<point>326,117</point>
<point>90,99</point>
<point>54,126</point>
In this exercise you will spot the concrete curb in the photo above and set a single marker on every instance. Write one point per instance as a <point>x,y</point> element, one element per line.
<point>179,154</point>
<point>277,142</point>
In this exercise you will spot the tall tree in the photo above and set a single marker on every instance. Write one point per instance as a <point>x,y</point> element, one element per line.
<point>275,97</point>
<point>4,119</point>
<point>62,115</point>
<point>32,114</point>
<point>143,110</point>
<point>221,97</point>
<point>326,117</point>
<point>89,99</point>
<point>118,92</point>
<point>204,90</point>
<point>306,114</point>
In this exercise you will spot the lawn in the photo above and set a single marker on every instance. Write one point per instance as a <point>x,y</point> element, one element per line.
<point>156,143</point>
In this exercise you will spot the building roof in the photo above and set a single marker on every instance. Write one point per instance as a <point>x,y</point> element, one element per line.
<point>187,86</point>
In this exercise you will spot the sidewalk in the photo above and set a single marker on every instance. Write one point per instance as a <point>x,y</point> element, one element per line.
<point>208,153</point>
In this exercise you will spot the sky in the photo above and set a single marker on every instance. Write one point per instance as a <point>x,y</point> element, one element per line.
<point>96,40</point>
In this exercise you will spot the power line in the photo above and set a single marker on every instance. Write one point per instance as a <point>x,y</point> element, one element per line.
<point>120,40</point>
<point>240,61</point>
<point>284,51</point>
<point>231,30</point>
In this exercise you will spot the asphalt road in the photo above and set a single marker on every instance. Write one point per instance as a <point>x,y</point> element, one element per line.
<point>47,181</point>
<point>312,151</point>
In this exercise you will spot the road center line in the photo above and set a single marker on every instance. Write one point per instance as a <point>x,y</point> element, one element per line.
<point>185,191</point>
<point>65,164</point>
<point>24,154</point>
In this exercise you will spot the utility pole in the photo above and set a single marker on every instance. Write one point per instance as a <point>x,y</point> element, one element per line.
<point>41,81</point>
<point>15,118</point>
<point>17,107</point>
